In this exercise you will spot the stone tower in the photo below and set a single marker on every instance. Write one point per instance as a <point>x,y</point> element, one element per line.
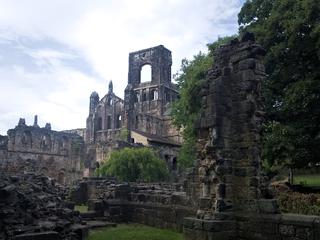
<point>149,98</point>
<point>94,101</point>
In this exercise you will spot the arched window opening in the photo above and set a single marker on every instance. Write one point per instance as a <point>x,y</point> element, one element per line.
<point>61,177</point>
<point>167,96</point>
<point>64,142</point>
<point>154,94</point>
<point>109,122</point>
<point>109,102</point>
<point>137,122</point>
<point>118,125</point>
<point>137,97</point>
<point>26,139</point>
<point>174,164</point>
<point>46,142</point>
<point>144,95</point>
<point>99,123</point>
<point>146,73</point>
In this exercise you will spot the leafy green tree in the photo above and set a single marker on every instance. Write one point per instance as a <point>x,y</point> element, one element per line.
<point>134,164</point>
<point>186,110</point>
<point>290,32</point>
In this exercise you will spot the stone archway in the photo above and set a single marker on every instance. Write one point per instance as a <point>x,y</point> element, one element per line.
<point>62,177</point>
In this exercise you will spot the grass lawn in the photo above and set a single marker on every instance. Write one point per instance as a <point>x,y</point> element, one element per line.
<point>81,208</point>
<point>308,180</point>
<point>134,232</point>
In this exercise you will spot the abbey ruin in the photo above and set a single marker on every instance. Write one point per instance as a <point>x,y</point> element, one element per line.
<point>220,199</point>
<point>143,115</point>
<point>142,118</point>
<point>59,155</point>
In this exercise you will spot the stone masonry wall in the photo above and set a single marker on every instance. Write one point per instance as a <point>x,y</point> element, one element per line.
<point>160,205</point>
<point>256,227</point>
<point>41,150</point>
<point>229,151</point>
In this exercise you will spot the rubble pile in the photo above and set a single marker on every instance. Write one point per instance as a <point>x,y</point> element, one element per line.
<point>34,204</point>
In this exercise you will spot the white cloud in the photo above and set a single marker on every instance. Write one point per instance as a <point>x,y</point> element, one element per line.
<point>61,50</point>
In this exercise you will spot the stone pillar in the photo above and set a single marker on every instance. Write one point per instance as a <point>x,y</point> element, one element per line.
<point>229,146</point>
<point>35,122</point>
<point>129,96</point>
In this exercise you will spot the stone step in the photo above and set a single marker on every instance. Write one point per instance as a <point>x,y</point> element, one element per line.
<point>99,224</point>
<point>89,215</point>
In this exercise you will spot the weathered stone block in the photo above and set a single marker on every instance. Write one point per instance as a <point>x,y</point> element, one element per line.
<point>287,230</point>
<point>298,220</point>
<point>95,205</point>
<point>268,206</point>
<point>249,63</point>
<point>240,172</point>
<point>114,210</point>
<point>304,233</point>
<point>205,203</point>
<point>218,225</point>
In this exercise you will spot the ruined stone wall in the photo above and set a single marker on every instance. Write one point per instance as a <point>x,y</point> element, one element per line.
<point>99,152</point>
<point>160,60</point>
<point>229,151</point>
<point>147,103</point>
<point>34,149</point>
<point>161,126</point>
<point>160,205</point>
<point>229,128</point>
<point>105,118</point>
<point>79,131</point>
<point>154,99</point>
<point>256,227</point>
<point>3,146</point>
<point>278,226</point>
<point>148,123</point>
<point>171,133</point>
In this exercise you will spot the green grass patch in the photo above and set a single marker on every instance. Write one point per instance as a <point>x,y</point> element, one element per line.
<point>134,232</point>
<point>81,208</point>
<point>312,180</point>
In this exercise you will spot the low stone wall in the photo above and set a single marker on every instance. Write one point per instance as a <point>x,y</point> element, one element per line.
<point>156,215</point>
<point>279,226</point>
<point>160,205</point>
<point>255,227</point>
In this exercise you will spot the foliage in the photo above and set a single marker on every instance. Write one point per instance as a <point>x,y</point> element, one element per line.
<point>134,232</point>
<point>186,110</point>
<point>294,202</point>
<point>290,32</point>
<point>134,164</point>
<point>123,135</point>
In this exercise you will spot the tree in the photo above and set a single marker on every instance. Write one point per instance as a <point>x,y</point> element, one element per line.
<point>290,32</point>
<point>134,164</point>
<point>186,109</point>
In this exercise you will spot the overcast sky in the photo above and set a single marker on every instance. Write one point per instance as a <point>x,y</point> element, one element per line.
<point>54,53</point>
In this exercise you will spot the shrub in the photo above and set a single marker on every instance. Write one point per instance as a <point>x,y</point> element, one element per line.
<point>294,202</point>
<point>134,164</point>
